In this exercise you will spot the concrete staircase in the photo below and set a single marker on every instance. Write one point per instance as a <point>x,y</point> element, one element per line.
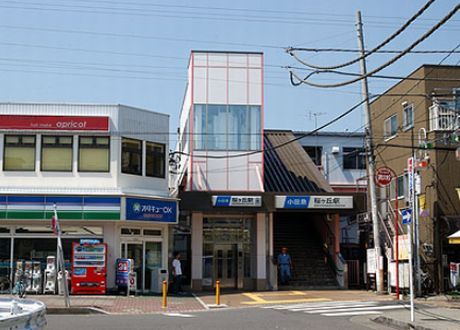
<point>306,250</point>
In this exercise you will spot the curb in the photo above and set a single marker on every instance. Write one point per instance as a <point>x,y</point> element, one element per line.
<point>74,311</point>
<point>398,324</point>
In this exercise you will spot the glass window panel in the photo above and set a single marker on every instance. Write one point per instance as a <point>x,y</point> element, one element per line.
<point>131,156</point>
<point>216,127</point>
<point>94,154</point>
<point>56,156</point>
<point>19,153</point>
<point>199,126</point>
<point>256,132</point>
<point>155,159</point>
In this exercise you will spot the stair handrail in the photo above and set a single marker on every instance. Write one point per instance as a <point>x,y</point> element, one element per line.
<point>388,236</point>
<point>392,214</point>
<point>333,259</point>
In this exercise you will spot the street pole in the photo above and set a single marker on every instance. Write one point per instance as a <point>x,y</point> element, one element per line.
<point>397,236</point>
<point>370,155</point>
<point>410,252</point>
<point>61,262</point>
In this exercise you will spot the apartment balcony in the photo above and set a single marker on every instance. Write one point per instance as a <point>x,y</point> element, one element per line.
<point>444,116</point>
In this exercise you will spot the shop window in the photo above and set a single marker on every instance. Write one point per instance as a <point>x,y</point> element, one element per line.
<point>57,153</point>
<point>155,159</point>
<point>4,230</point>
<point>83,231</point>
<point>19,153</point>
<point>94,154</point>
<point>130,231</point>
<point>152,232</point>
<point>131,156</point>
<point>354,158</point>
<point>5,250</point>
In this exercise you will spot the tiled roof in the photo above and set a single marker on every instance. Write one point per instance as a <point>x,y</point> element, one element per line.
<point>289,168</point>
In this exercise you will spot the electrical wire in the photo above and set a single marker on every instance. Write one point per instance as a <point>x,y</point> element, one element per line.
<point>381,45</point>
<point>382,51</point>
<point>385,65</point>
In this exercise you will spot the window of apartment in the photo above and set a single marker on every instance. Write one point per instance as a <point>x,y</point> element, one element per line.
<point>408,115</point>
<point>315,153</point>
<point>227,127</point>
<point>57,153</point>
<point>354,158</point>
<point>94,154</point>
<point>402,187</point>
<point>131,156</point>
<point>390,127</point>
<point>19,153</point>
<point>155,159</point>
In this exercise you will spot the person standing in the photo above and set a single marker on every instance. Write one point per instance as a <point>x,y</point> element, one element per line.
<point>284,266</point>
<point>177,274</point>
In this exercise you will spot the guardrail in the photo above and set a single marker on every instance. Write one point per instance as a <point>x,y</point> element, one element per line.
<point>22,314</point>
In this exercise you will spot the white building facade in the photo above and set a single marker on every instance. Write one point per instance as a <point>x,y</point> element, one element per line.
<point>106,169</point>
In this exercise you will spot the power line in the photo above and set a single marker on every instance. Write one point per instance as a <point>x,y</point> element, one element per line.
<point>379,46</point>
<point>385,65</point>
<point>393,51</point>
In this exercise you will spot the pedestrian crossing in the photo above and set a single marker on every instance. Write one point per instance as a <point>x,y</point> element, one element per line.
<point>340,308</point>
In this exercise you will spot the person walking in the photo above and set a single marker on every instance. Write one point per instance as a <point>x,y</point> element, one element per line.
<point>177,274</point>
<point>284,266</point>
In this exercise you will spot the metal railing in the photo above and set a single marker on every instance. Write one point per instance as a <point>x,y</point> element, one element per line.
<point>444,117</point>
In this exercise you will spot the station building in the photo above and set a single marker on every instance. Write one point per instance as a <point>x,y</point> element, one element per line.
<point>106,169</point>
<point>245,192</point>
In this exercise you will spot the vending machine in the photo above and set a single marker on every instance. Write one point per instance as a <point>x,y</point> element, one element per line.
<point>89,265</point>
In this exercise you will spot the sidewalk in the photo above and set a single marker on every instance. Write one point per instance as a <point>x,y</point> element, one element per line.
<point>122,304</point>
<point>426,318</point>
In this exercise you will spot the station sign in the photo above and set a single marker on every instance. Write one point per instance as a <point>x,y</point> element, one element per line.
<point>140,209</point>
<point>236,201</point>
<point>314,202</point>
<point>383,176</point>
<point>54,123</point>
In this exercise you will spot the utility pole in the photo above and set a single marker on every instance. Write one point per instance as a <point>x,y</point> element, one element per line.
<point>370,156</point>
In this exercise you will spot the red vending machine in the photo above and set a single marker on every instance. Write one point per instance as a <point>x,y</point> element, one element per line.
<point>89,265</point>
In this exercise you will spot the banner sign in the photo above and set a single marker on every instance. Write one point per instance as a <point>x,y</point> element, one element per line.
<point>237,201</point>
<point>151,210</point>
<point>383,176</point>
<point>54,123</point>
<point>122,273</point>
<point>314,202</point>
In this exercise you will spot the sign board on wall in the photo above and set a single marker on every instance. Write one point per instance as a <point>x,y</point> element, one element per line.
<point>236,201</point>
<point>54,123</point>
<point>371,258</point>
<point>141,209</point>
<point>383,176</point>
<point>403,274</point>
<point>403,247</point>
<point>314,202</point>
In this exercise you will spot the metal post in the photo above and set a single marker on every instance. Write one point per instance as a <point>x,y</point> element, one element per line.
<point>370,155</point>
<point>397,236</point>
<point>410,252</point>
<point>218,293</point>
<point>61,262</point>
<point>164,302</point>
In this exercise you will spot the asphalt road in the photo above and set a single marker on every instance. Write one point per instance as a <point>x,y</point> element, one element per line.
<point>231,319</point>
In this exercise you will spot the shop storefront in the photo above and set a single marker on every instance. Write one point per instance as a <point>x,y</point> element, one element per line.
<point>85,217</point>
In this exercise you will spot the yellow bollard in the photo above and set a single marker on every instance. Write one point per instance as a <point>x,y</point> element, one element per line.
<point>164,303</point>
<point>217,293</point>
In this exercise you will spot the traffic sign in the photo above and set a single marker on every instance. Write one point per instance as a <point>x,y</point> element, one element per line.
<point>383,176</point>
<point>406,216</point>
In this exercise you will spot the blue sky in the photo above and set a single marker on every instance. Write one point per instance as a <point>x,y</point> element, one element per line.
<point>135,52</point>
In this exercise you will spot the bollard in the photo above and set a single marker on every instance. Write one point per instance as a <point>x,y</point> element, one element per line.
<point>164,303</point>
<point>217,293</point>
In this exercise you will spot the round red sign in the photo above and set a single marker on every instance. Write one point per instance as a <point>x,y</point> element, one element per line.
<point>383,176</point>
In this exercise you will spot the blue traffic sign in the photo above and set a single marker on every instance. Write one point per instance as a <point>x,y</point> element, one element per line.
<point>406,216</point>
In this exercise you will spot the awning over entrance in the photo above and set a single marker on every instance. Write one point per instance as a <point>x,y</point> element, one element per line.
<point>288,168</point>
<point>454,238</point>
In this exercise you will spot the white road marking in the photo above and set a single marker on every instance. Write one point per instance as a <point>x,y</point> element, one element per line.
<point>178,314</point>
<point>202,303</point>
<point>323,304</point>
<point>352,313</point>
<point>319,311</point>
<point>328,307</point>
